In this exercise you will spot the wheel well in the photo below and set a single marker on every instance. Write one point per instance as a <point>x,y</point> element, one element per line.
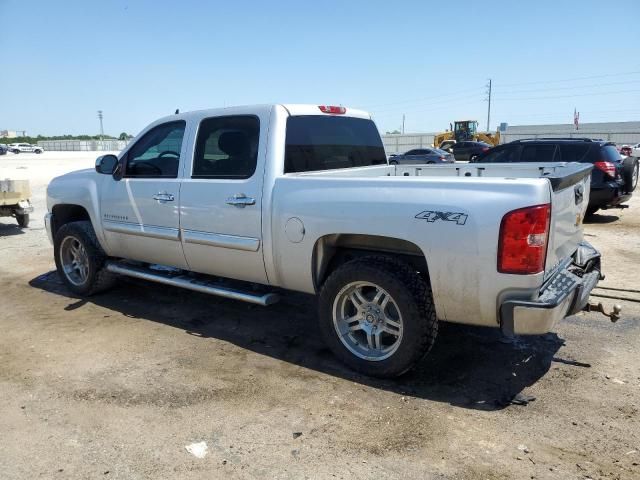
<point>65,213</point>
<point>331,251</point>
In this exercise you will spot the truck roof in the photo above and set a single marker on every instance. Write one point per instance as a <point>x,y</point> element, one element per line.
<point>292,108</point>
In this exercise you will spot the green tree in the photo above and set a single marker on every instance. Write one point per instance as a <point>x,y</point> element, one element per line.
<point>123,136</point>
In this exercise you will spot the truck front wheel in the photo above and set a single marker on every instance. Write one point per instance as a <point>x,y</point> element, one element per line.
<point>377,315</point>
<point>80,259</point>
<point>23,220</point>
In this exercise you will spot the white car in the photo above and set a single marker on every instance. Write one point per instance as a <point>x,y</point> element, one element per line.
<point>635,150</point>
<point>24,147</point>
<point>301,197</point>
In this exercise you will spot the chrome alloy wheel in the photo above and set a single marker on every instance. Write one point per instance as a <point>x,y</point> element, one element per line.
<point>74,260</point>
<point>367,321</point>
<point>634,175</point>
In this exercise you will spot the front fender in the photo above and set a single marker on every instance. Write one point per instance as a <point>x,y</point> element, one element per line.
<point>82,189</point>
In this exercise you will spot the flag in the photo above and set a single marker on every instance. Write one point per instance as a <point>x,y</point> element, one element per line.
<point>576,117</point>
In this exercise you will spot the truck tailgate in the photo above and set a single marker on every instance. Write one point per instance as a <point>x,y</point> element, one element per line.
<point>569,199</point>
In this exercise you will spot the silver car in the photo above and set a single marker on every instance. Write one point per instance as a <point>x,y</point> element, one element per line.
<point>422,156</point>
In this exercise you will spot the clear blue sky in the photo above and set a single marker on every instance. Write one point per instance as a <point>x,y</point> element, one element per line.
<point>140,59</point>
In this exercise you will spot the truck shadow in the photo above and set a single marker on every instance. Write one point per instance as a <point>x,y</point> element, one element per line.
<point>600,218</point>
<point>474,368</point>
<point>8,229</point>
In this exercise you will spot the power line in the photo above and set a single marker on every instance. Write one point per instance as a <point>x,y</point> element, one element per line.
<point>574,87</point>
<point>451,101</point>
<point>442,96</point>
<point>572,79</point>
<point>569,96</point>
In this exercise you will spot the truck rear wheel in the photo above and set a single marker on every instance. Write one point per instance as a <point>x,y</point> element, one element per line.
<point>80,259</point>
<point>377,316</point>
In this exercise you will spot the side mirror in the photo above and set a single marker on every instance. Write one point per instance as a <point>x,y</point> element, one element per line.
<point>106,164</point>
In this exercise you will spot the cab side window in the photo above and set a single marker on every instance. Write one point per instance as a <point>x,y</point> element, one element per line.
<point>227,147</point>
<point>157,153</point>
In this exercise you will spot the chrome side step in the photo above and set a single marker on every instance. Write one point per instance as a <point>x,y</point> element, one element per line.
<point>190,283</point>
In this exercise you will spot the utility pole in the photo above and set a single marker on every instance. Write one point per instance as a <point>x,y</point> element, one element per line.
<point>101,129</point>
<point>403,123</point>
<point>489,106</point>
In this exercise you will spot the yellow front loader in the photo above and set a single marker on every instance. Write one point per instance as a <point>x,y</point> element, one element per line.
<point>467,130</point>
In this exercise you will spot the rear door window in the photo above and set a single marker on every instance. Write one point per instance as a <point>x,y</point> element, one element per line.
<point>317,142</point>
<point>227,147</point>
<point>508,154</point>
<point>538,153</point>
<point>573,153</point>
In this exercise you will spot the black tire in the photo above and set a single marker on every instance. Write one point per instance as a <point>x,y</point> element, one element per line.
<point>413,297</point>
<point>23,220</point>
<point>630,174</point>
<point>98,279</point>
<point>591,211</point>
<point>16,151</point>
<point>393,162</point>
<point>38,151</point>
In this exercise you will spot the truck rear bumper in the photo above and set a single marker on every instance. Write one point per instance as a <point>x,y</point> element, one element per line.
<point>564,294</point>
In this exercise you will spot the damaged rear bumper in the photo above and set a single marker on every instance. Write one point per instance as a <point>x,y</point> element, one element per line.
<point>564,294</point>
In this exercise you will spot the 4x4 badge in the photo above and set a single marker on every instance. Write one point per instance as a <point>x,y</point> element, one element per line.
<point>431,216</point>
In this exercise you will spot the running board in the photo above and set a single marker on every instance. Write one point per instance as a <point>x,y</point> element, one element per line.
<point>190,283</point>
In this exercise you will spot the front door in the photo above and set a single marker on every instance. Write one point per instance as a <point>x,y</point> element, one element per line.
<point>140,212</point>
<point>221,198</point>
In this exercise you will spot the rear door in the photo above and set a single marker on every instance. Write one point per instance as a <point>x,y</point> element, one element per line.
<point>221,197</point>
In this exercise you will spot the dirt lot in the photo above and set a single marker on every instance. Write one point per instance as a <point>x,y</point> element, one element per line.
<point>117,386</point>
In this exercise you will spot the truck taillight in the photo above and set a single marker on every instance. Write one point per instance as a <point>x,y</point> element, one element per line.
<point>485,149</point>
<point>607,167</point>
<point>332,109</point>
<point>522,246</point>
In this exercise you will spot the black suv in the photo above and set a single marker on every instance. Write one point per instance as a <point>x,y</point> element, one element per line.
<point>612,180</point>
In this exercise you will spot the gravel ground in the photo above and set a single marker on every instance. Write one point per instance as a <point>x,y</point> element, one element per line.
<point>117,386</point>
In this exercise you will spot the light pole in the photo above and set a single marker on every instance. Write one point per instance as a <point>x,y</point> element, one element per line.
<point>101,128</point>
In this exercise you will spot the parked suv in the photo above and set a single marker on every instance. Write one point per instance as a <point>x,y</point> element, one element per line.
<point>612,179</point>
<point>24,147</point>
<point>3,149</point>
<point>468,151</point>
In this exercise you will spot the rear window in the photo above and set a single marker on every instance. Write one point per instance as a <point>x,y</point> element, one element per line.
<point>610,153</point>
<point>325,143</point>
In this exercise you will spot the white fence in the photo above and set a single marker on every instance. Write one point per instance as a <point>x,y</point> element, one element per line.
<point>82,145</point>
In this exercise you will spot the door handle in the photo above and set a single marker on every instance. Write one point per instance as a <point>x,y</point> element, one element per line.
<point>240,200</point>
<point>163,197</point>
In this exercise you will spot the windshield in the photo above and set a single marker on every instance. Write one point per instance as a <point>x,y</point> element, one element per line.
<point>317,142</point>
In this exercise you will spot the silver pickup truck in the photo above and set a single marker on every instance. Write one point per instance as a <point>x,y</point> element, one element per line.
<point>301,197</point>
